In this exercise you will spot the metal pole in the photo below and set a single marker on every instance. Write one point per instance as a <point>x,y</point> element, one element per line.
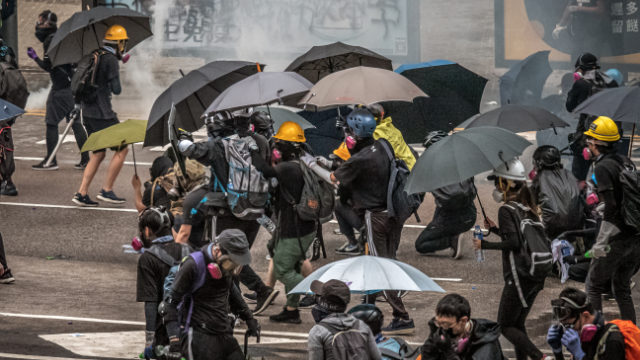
<point>133,153</point>
<point>633,131</point>
<point>74,116</point>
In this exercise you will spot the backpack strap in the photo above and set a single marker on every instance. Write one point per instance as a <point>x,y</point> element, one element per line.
<point>201,272</point>
<point>515,215</point>
<point>160,253</point>
<point>601,348</point>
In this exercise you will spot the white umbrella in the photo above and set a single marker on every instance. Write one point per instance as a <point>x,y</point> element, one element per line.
<point>368,274</point>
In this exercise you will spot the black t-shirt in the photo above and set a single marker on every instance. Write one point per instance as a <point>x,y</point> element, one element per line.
<point>366,177</point>
<point>291,181</point>
<point>613,346</point>
<point>160,197</point>
<point>152,271</point>
<point>607,173</point>
<point>195,216</point>
<point>509,236</point>
<point>107,70</point>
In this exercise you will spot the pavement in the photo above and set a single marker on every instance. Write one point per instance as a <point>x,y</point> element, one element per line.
<point>74,295</point>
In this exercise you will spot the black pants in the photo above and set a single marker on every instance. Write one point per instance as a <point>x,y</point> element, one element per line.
<point>248,277</point>
<point>512,316</point>
<point>3,256</point>
<point>59,105</point>
<point>7,162</point>
<point>614,272</point>
<point>348,220</point>
<point>445,227</point>
<point>203,346</point>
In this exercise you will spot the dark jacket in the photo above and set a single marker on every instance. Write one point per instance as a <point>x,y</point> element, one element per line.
<point>607,170</point>
<point>484,344</point>
<point>60,75</point>
<point>559,198</point>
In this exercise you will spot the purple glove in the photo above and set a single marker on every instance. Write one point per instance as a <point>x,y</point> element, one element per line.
<point>32,53</point>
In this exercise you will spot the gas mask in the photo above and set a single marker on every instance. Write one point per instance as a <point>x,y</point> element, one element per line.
<point>586,154</point>
<point>498,196</point>
<point>588,332</point>
<point>319,313</point>
<point>532,174</point>
<point>222,266</point>
<point>43,32</point>
<point>276,155</point>
<point>351,142</point>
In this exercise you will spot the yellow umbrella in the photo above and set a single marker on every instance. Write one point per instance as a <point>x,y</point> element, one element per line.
<point>124,133</point>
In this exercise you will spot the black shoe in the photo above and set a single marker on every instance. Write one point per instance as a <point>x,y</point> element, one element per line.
<point>83,200</point>
<point>307,301</point>
<point>81,165</point>
<point>110,197</point>
<point>349,250</point>
<point>7,278</point>
<point>250,298</point>
<point>286,316</point>
<point>264,300</point>
<point>456,247</point>
<point>9,189</point>
<point>42,166</point>
<point>399,327</point>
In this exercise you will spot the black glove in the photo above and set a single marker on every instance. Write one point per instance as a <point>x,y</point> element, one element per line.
<point>175,351</point>
<point>438,345</point>
<point>184,135</point>
<point>253,327</point>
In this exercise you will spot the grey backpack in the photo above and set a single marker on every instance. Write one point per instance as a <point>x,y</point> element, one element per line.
<point>351,344</point>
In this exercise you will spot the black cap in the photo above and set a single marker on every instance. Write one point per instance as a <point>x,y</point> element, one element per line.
<point>334,294</point>
<point>235,243</point>
<point>587,61</point>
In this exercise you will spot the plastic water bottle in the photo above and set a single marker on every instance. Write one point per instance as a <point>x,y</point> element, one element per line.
<point>267,223</point>
<point>477,234</point>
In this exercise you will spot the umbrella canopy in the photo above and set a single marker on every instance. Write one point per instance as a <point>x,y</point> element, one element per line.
<point>124,133</point>
<point>368,274</point>
<point>517,118</point>
<point>463,155</point>
<point>8,110</point>
<point>323,60</point>
<point>523,83</point>
<point>454,95</point>
<point>620,104</point>
<point>191,94</point>
<point>261,89</point>
<point>361,85</point>
<point>281,114</point>
<point>84,31</point>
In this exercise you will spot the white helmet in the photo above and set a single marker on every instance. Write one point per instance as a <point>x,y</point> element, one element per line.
<point>511,170</point>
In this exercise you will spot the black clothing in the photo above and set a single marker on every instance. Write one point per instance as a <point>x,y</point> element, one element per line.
<point>509,234</point>
<point>195,216</point>
<point>560,201</point>
<point>483,344</point>
<point>348,220</point>
<point>60,75</point>
<point>512,316</point>
<point>607,171</point>
<point>7,161</point>
<point>290,184</point>
<point>59,105</point>
<point>152,271</point>
<point>614,345</point>
<point>107,81</point>
<point>3,256</point>
<point>160,197</point>
<point>206,346</point>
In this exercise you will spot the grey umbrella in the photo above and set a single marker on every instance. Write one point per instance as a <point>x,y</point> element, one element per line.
<point>523,83</point>
<point>8,110</point>
<point>463,155</point>
<point>83,32</point>
<point>191,94</point>
<point>516,118</point>
<point>281,114</point>
<point>261,89</point>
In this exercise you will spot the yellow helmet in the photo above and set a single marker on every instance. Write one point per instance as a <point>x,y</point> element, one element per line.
<point>603,129</point>
<point>290,131</point>
<point>116,33</point>
<point>342,152</point>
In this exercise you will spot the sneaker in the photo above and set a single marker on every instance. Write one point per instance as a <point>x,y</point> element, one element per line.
<point>7,278</point>
<point>399,327</point>
<point>250,298</point>
<point>264,300</point>
<point>342,247</point>
<point>456,247</point>
<point>81,165</point>
<point>110,197</point>
<point>42,166</point>
<point>9,189</point>
<point>85,200</point>
<point>286,316</point>
<point>307,301</point>
<point>349,250</point>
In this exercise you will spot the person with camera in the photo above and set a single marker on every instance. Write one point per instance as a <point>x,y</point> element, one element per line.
<point>205,278</point>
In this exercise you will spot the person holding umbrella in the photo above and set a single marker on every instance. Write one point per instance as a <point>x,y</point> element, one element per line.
<point>60,99</point>
<point>99,114</point>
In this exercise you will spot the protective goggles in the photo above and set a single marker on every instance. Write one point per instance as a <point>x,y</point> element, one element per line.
<point>565,308</point>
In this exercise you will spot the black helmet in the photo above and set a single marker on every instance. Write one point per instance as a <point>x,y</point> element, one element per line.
<point>587,61</point>
<point>219,123</point>
<point>370,315</point>
<point>155,218</point>
<point>433,137</point>
<point>261,121</point>
<point>547,157</point>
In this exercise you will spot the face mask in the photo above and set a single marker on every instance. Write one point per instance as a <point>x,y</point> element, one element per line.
<point>577,76</point>
<point>592,199</point>
<point>462,344</point>
<point>276,155</point>
<point>497,195</point>
<point>214,271</point>
<point>532,174</point>
<point>137,244</point>
<point>586,154</point>
<point>318,313</point>
<point>42,33</point>
<point>350,141</point>
<point>588,332</point>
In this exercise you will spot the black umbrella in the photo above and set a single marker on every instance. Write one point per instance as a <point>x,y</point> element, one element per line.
<point>84,31</point>
<point>191,95</point>
<point>523,83</point>
<point>321,61</point>
<point>454,95</point>
<point>516,118</point>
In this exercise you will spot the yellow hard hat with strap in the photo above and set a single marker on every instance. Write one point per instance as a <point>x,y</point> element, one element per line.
<point>603,129</point>
<point>116,33</point>
<point>290,131</point>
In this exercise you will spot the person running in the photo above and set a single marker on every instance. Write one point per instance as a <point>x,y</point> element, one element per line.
<point>616,251</point>
<point>99,115</point>
<point>60,99</point>
<point>5,273</point>
<point>519,291</point>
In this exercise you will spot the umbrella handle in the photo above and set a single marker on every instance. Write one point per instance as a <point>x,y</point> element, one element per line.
<point>484,214</point>
<point>133,153</point>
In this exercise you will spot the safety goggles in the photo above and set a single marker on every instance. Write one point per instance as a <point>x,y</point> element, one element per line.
<point>564,309</point>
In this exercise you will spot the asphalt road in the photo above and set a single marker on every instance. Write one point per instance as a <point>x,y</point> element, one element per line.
<point>74,295</point>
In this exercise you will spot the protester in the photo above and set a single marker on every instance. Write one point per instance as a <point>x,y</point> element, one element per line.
<point>161,253</point>
<point>386,130</point>
<point>455,213</point>
<point>208,332</point>
<point>455,335</point>
<point>5,273</point>
<point>60,99</point>
<point>519,291</point>
<point>363,180</point>
<point>99,115</point>
<point>154,194</point>
<point>337,335</point>
<point>616,251</point>
<point>582,330</point>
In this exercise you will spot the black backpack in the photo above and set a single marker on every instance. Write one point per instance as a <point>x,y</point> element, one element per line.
<point>83,82</point>
<point>317,199</point>
<point>13,86</point>
<point>630,207</point>
<point>399,204</point>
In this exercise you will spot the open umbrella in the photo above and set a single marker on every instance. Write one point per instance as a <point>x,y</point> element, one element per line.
<point>323,60</point>
<point>282,114</point>
<point>523,83</point>
<point>517,118</point>
<point>463,155</point>
<point>84,31</point>
<point>124,133</point>
<point>368,274</point>
<point>361,85</point>
<point>8,110</point>
<point>262,88</point>
<point>191,94</point>
<point>454,95</point>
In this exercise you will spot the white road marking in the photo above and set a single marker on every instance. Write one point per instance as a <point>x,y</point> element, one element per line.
<point>446,279</point>
<point>67,139</point>
<point>67,207</point>
<point>30,158</point>
<point>36,357</point>
<point>408,226</point>
<point>73,318</point>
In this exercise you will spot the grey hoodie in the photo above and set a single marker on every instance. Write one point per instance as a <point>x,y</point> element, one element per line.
<point>320,338</point>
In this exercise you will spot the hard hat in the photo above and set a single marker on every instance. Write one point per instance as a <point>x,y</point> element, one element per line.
<point>616,75</point>
<point>546,157</point>
<point>342,152</point>
<point>361,123</point>
<point>603,129</point>
<point>370,315</point>
<point>433,137</point>
<point>510,170</point>
<point>116,33</point>
<point>290,131</point>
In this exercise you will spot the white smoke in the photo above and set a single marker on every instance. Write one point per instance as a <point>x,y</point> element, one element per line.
<point>37,100</point>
